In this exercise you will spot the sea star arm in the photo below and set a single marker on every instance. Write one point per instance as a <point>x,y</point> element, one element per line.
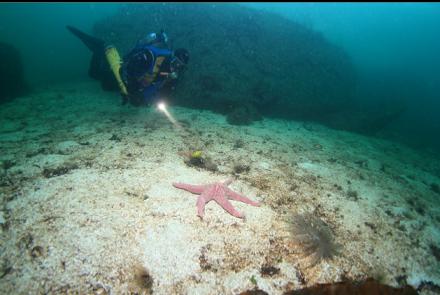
<point>195,189</point>
<point>238,197</point>
<point>224,202</point>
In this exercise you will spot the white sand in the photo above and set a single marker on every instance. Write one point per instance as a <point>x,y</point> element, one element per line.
<point>114,209</point>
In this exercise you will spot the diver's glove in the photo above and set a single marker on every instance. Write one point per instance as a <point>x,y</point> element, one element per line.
<point>173,75</point>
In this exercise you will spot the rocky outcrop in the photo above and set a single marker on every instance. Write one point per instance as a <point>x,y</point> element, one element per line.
<point>11,73</point>
<point>243,59</point>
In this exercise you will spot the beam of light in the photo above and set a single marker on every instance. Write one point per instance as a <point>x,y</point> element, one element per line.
<point>163,108</point>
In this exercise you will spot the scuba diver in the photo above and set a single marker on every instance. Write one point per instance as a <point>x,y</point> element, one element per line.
<point>142,73</point>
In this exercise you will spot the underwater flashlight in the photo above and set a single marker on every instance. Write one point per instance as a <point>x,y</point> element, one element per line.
<point>161,106</point>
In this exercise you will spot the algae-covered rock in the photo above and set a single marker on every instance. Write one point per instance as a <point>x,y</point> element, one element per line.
<point>242,57</point>
<point>11,73</point>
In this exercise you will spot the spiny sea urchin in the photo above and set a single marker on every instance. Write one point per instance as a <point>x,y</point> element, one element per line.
<point>313,236</point>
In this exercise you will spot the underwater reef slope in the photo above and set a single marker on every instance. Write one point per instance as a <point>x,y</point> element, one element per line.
<point>244,62</point>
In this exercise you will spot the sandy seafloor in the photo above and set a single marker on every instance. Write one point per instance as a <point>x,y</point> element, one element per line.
<point>87,200</point>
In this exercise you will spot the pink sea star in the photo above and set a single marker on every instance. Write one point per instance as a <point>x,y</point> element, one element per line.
<point>218,192</point>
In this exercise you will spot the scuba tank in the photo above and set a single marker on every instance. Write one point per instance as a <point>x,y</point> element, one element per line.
<point>154,38</point>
